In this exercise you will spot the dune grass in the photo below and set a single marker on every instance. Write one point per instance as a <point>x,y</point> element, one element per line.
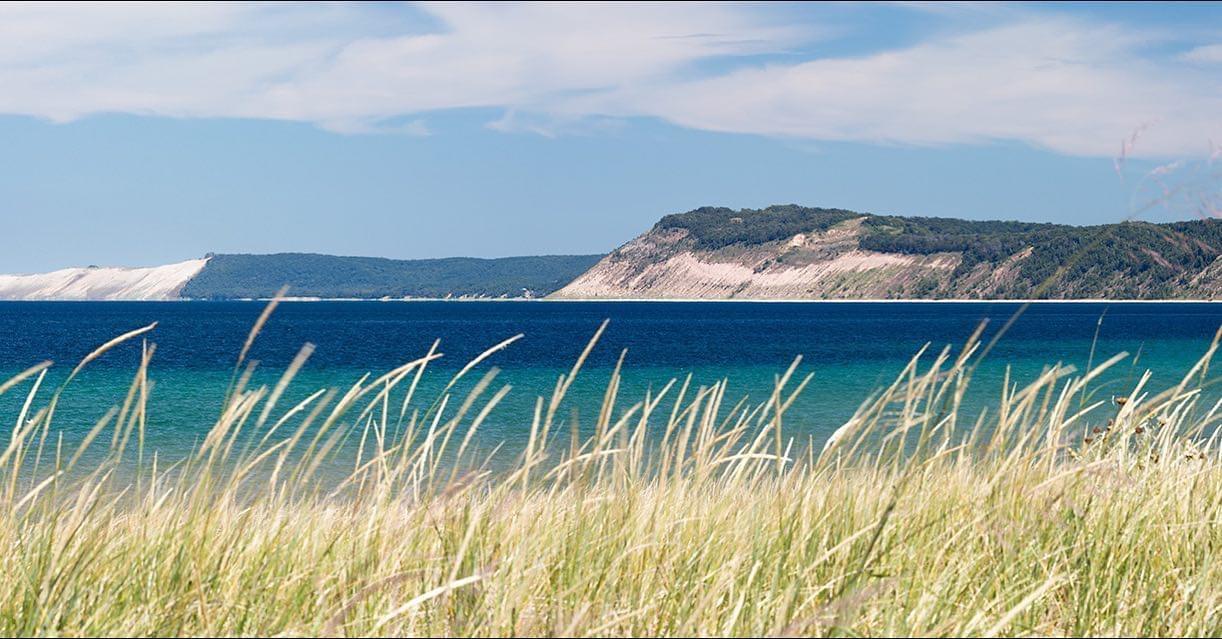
<point>1056,512</point>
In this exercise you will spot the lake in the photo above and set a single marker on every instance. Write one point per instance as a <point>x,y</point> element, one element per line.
<point>851,348</point>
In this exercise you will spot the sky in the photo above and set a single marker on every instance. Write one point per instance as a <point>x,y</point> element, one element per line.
<point>139,134</point>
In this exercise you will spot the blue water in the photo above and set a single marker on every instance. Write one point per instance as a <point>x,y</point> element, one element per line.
<point>851,348</point>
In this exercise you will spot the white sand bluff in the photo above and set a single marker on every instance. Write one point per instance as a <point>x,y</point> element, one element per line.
<point>102,283</point>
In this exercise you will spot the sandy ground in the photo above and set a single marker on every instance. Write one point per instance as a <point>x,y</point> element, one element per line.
<point>102,283</point>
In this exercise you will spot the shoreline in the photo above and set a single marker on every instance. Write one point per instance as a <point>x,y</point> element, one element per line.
<point>655,300</point>
<point>904,300</point>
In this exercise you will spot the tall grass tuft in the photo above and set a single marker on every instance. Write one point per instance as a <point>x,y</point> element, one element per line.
<point>1055,512</point>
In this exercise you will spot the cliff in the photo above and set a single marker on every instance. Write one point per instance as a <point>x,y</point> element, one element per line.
<point>792,252</point>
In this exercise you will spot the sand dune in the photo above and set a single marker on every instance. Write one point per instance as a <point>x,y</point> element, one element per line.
<point>102,283</point>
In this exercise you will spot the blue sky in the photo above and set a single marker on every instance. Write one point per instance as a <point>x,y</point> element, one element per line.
<point>146,134</point>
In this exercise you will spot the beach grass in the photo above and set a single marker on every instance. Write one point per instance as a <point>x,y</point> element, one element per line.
<point>1057,511</point>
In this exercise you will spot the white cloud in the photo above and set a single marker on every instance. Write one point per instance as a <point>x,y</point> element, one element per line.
<point>1061,84</point>
<point>526,57</point>
<point>1208,53</point>
<point>1055,84</point>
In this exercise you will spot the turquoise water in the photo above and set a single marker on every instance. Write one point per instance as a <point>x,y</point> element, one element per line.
<point>851,348</point>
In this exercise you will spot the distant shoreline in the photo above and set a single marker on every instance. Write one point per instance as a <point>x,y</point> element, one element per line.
<point>700,299</point>
<point>874,301</point>
<point>654,300</point>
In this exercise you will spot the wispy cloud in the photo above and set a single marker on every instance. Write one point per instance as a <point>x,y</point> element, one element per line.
<point>1055,82</point>
<point>1209,53</point>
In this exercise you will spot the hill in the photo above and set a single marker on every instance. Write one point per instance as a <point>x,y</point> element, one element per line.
<point>102,283</point>
<point>779,252</point>
<point>795,252</point>
<point>220,277</point>
<point>329,276</point>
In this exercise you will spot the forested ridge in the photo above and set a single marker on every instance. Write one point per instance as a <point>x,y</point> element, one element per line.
<point>329,276</point>
<point>1132,259</point>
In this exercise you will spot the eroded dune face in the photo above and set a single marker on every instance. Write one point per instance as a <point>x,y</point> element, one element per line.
<point>661,264</point>
<point>102,283</point>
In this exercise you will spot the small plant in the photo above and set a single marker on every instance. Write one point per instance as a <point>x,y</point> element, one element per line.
<point>681,515</point>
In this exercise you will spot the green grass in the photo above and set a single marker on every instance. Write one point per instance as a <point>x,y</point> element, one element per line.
<point>684,514</point>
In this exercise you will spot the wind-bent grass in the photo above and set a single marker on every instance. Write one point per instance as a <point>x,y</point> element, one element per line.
<point>1056,512</point>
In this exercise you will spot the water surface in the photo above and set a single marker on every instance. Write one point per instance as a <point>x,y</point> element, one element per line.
<point>851,348</point>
